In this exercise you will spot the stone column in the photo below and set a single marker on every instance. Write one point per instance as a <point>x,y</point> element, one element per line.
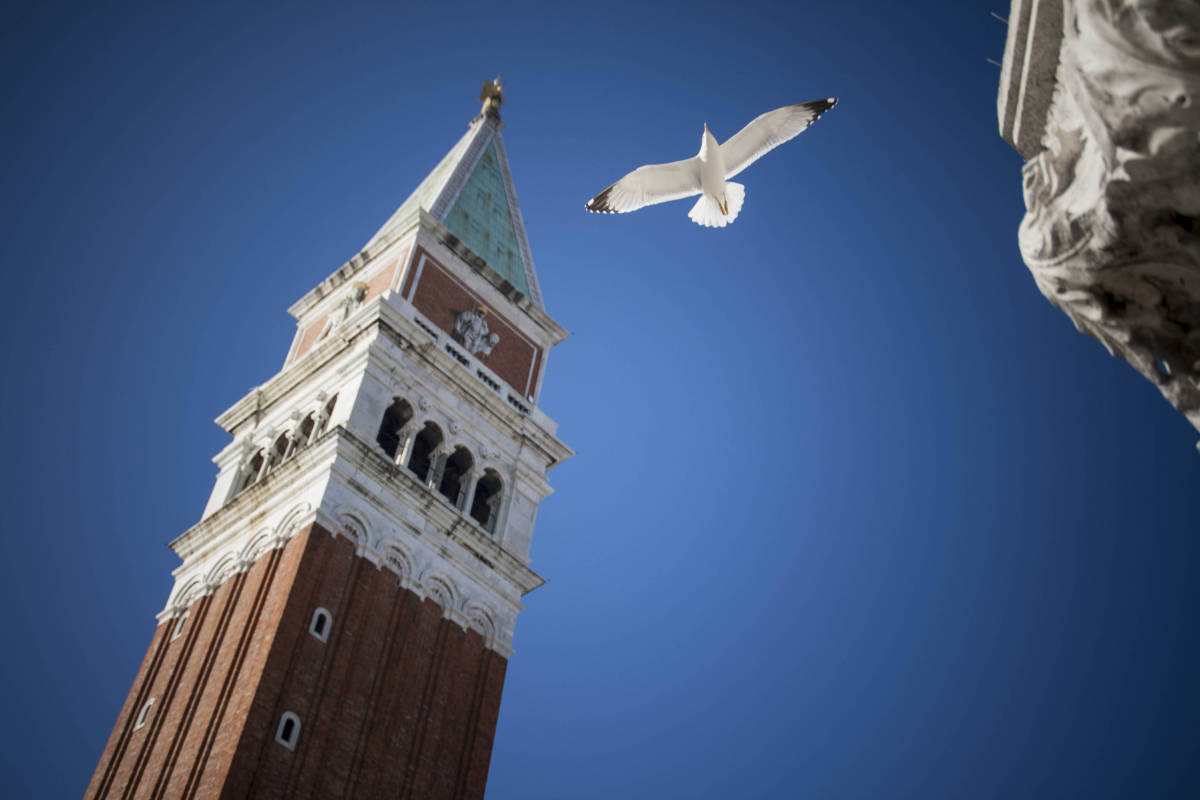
<point>407,435</point>
<point>437,465</point>
<point>466,488</point>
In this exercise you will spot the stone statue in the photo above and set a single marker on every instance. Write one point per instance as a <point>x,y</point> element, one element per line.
<point>471,327</point>
<point>492,96</point>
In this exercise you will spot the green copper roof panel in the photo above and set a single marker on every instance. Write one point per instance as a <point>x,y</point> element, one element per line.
<point>482,219</point>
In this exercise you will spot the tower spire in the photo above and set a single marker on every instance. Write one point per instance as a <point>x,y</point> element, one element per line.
<point>470,192</point>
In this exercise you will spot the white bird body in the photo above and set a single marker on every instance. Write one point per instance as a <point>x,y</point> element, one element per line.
<point>720,200</point>
<point>707,173</point>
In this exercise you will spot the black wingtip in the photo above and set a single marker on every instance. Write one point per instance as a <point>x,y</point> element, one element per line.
<point>599,203</point>
<point>819,106</point>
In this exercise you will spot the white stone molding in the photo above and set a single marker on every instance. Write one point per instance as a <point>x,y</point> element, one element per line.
<point>223,569</point>
<point>440,587</point>
<point>1112,232</point>
<point>143,714</point>
<point>352,525</point>
<point>203,574</point>
<point>398,558</point>
<point>293,732</point>
<point>256,547</point>
<point>183,598</point>
<point>291,522</point>
<point>481,618</point>
<point>323,632</point>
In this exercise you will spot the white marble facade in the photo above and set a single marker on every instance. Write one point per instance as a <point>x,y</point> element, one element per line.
<point>336,474</point>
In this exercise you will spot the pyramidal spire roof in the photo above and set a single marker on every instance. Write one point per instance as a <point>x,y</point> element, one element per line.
<point>470,192</point>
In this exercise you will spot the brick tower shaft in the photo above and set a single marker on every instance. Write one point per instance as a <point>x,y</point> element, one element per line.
<point>342,619</point>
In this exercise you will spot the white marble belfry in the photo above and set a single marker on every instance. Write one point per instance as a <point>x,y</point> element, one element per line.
<point>306,445</point>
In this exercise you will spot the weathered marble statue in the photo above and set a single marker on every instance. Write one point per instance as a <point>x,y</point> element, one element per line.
<point>1103,99</point>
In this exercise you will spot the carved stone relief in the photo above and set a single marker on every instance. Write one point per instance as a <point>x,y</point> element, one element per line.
<point>1112,231</point>
<point>472,330</point>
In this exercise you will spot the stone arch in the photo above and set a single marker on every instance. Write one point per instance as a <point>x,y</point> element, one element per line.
<point>399,560</point>
<point>186,595</point>
<point>482,618</point>
<point>352,524</point>
<point>278,449</point>
<point>485,505</point>
<point>256,547</point>
<point>225,567</point>
<point>289,523</point>
<point>252,469</point>
<point>453,483</point>
<point>428,439</point>
<point>395,418</point>
<point>304,431</point>
<point>441,588</point>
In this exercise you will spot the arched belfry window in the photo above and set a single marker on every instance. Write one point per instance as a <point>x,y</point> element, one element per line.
<point>305,432</point>
<point>288,731</point>
<point>422,452</point>
<point>253,468</point>
<point>394,419</point>
<point>321,622</point>
<point>485,507</point>
<point>454,474</point>
<point>279,449</point>
<point>323,417</point>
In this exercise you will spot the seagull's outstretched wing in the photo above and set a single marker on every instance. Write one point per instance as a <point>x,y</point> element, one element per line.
<point>645,186</point>
<point>768,131</point>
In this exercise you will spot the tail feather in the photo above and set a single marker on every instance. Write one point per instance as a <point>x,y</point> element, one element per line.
<point>707,211</point>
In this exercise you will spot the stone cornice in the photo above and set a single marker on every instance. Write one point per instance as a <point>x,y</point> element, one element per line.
<point>1027,74</point>
<point>406,334</point>
<point>243,510</point>
<point>351,268</point>
<point>264,396</point>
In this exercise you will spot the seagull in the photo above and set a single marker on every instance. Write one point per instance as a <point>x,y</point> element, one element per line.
<point>708,172</point>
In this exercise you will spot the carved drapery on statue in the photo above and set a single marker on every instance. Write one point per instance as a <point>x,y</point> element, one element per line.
<point>1112,232</point>
<point>471,329</point>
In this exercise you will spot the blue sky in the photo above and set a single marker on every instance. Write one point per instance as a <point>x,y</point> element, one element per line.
<point>855,512</point>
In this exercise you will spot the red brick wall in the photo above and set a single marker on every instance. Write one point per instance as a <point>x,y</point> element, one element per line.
<point>399,700</point>
<point>440,296</point>
<point>377,282</point>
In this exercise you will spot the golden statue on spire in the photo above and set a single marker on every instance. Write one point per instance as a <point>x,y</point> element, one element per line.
<point>492,96</point>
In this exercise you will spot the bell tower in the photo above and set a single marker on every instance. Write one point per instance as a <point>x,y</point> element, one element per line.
<point>342,618</point>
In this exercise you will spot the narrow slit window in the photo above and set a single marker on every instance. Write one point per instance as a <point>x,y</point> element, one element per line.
<point>143,714</point>
<point>319,627</point>
<point>289,730</point>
